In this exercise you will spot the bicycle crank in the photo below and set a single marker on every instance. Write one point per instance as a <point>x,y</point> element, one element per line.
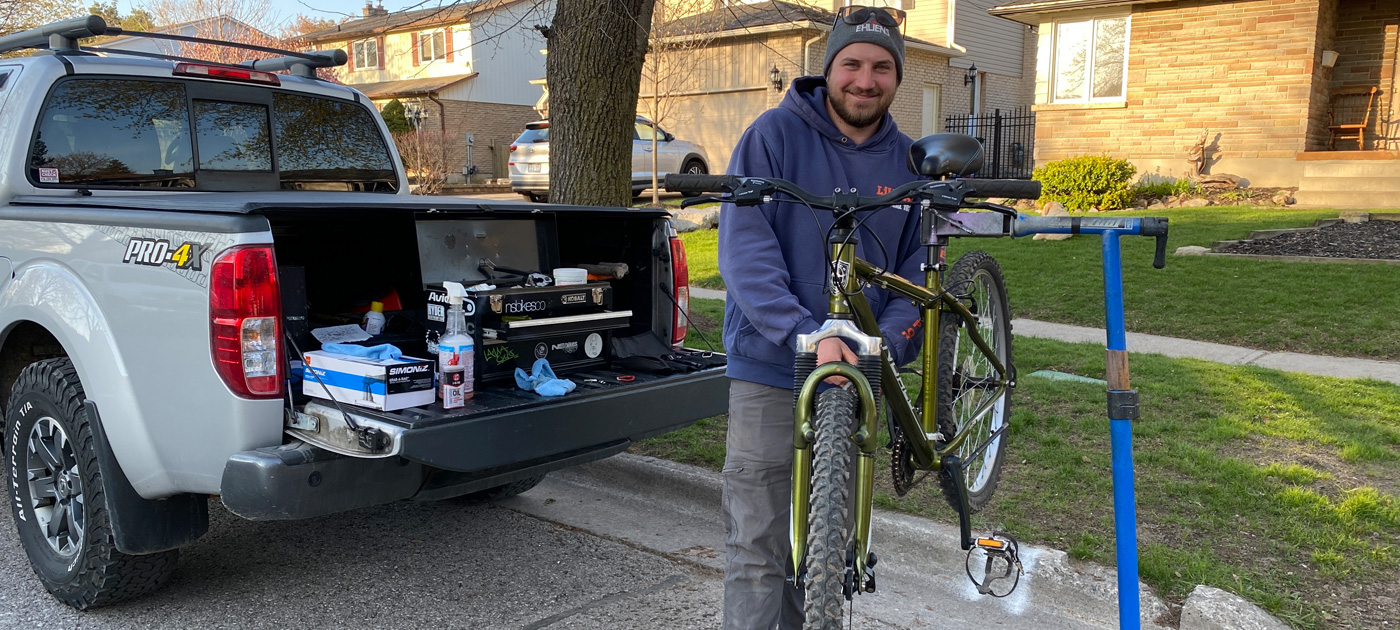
<point>1002,558</point>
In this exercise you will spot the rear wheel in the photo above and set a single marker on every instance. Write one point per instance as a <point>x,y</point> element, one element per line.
<point>57,497</point>
<point>965,375</point>
<point>828,529</point>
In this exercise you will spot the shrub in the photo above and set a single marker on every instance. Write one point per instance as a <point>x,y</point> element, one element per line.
<point>1090,181</point>
<point>1164,188</point>
<point>394,117</point>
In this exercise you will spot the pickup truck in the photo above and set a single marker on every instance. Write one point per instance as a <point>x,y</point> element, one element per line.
<point>167,225</point>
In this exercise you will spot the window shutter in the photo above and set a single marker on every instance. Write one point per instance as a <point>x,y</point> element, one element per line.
<point>448,38</point>
<point>417,39</point>
<point>379,50</point>
<point>350,50</point>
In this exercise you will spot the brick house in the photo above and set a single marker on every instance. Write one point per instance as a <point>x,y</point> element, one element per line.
<point>755,49</point>
<point>463,69</point>
<point>1261,78</point>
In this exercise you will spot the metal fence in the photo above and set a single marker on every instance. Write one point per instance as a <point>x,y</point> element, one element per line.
<point>1009,138</point>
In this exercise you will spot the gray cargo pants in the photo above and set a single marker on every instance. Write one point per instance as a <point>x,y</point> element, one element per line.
<point>757,505</point>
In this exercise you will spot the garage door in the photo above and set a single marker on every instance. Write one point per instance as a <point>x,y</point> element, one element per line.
<point>716,121</point>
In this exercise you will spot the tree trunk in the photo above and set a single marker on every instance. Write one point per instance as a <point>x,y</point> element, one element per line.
<point>594,69</point>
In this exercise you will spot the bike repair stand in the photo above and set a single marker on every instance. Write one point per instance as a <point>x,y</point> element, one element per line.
<point>1122,409</point>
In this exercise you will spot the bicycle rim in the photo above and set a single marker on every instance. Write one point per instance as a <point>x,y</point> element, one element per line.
<point>968,397</point>
<point>829,520</point>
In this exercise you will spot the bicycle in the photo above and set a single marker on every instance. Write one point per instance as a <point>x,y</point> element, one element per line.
<point>955,423</point>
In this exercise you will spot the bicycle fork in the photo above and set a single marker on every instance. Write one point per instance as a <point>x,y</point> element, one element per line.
<point>865,380</point>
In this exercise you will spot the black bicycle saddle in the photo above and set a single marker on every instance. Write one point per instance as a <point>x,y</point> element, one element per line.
<point>945,154</point>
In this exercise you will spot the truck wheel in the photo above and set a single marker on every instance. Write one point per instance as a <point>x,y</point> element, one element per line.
<point>57,497</point>
<point>503,491</point>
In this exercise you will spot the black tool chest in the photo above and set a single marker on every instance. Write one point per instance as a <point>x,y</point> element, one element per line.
<point>514,325</point>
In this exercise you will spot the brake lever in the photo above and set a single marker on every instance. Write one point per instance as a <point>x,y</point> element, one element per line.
<point>982,205</point>
<point>691,201</point>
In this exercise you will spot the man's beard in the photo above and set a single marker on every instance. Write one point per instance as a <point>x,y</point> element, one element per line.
<point>856,119</point>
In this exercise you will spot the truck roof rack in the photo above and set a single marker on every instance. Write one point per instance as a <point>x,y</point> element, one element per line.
<point>62,39</point>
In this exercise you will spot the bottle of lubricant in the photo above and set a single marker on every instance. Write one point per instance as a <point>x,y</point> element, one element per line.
<point>374,319</point>
<point>455,351</point>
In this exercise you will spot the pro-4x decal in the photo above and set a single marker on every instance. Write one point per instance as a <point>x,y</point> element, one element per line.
<point>157,252</point>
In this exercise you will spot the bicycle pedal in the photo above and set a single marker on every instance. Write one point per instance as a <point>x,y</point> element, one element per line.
<point>1002,562</point>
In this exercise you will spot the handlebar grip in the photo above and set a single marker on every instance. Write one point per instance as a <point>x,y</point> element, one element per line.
<point>696,184</point>
<point>1157,226</point>
<point>1007,188</point>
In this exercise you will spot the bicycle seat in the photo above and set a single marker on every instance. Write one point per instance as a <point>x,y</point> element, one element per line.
<point>944,154</point>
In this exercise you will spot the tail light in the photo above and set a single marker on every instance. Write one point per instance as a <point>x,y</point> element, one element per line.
<point>225,73</point>
<point>513,147</point>
<point>245,316</point>
<point>680,279</point>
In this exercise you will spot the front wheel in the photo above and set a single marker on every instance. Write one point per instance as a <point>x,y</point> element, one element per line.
<point>828,529</point>
<point>968,396</point>
<point>57,498</point>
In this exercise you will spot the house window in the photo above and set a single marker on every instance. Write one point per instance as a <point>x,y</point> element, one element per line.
<point>432,45</point>
<point>1090,60</point>
<point>366,54</point>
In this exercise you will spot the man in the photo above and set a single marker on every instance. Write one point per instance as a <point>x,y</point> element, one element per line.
<point>829,132</point>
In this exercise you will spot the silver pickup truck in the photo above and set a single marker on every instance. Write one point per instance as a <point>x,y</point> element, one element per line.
<point>171,233</point>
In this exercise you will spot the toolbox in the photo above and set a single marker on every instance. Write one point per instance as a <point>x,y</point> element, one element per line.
<point>570,326</point>
<point>513,325</point>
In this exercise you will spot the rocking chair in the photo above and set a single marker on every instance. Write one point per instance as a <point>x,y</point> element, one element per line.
<point>1350,114</point>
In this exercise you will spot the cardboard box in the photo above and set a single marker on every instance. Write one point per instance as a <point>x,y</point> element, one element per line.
<point>378,384</point>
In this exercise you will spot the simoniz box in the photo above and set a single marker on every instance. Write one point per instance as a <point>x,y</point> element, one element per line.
<point>388,384</point>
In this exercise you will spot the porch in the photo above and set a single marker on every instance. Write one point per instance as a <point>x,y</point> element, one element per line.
<point>1349,179</point>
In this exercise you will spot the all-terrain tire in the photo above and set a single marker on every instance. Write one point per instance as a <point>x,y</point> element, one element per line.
<point>828,526</point>
<point>978,276</point>
<point>55,476</point>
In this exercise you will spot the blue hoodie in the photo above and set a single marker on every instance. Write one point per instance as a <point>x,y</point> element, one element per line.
<point>772,256</point>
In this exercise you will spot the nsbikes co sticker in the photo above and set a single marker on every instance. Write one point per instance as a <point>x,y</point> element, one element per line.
<point>48,176</point>
<point>156,252</point>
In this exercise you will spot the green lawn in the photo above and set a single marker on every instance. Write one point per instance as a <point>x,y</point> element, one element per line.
<point>1313,308</point>
<point>1279,487</point>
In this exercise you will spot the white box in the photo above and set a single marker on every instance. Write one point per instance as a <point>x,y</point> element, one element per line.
<point>389,384</point>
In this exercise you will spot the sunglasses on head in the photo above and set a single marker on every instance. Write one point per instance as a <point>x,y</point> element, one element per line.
<point>855,14</point>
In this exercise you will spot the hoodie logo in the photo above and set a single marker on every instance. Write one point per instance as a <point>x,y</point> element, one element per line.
<point>873,27</point>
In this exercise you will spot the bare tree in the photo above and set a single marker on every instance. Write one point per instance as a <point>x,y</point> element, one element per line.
<point>675,65</point>
<point>596,50</point>
<point>20,15</point>
<point>424,156</point>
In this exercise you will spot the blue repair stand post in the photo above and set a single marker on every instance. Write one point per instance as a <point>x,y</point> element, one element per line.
<point>1122,409</point>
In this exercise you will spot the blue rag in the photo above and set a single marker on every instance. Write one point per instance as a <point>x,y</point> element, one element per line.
<point>542,380</point>
<point>382,352</point>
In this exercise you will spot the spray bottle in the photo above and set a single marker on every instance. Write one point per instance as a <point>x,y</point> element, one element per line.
<point>455,351</point>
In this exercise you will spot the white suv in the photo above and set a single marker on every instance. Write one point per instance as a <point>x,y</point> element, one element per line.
<point>529,158</point>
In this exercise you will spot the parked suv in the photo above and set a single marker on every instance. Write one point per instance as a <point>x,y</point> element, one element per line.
<point>529,158</point>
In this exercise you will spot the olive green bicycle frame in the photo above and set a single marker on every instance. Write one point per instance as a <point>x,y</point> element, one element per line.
<point>920,426</point>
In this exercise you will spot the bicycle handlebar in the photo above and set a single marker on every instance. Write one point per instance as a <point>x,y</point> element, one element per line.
<point>749,191</point>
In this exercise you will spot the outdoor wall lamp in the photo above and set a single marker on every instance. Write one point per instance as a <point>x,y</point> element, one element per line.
<point>775,76</point>
<point>970,76</point>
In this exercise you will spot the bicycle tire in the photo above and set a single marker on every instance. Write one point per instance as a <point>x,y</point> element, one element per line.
<point>828,526</point>
<point>977,276</point>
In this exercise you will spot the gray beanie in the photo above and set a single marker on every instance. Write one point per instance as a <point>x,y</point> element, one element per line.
<point>843,35</point>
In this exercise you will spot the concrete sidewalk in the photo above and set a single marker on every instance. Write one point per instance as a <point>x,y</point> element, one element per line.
<point>673,510</point>
<point>1340,367</point>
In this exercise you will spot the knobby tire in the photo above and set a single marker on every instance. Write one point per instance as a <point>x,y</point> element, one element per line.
<point>828,521</point>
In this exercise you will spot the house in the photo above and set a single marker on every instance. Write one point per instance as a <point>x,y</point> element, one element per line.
<point>1263,81</point>
<point>463,69</point>
<point>752,50</point>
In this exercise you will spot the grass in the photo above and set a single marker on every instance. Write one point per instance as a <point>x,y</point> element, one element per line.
<point>1279,487</point>
<point>1311,308</point>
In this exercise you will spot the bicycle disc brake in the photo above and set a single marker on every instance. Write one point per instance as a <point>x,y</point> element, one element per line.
<point>1002,558</point>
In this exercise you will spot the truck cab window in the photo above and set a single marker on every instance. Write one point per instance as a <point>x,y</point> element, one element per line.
<point>232,136</point>
<point>113,132</point>
<point>326,144</point>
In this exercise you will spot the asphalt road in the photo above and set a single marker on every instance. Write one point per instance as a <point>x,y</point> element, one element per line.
<point>407,565</point>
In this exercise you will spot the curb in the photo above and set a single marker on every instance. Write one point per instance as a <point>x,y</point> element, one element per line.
<point>1060,580</point>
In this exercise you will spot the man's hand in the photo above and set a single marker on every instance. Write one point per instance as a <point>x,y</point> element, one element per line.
<point>833,349</point>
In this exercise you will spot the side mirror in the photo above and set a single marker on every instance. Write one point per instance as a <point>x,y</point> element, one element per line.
<point>945,154</point>
<point>667,136</point>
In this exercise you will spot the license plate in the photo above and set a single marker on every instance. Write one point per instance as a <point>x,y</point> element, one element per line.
<point>532,168</point>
